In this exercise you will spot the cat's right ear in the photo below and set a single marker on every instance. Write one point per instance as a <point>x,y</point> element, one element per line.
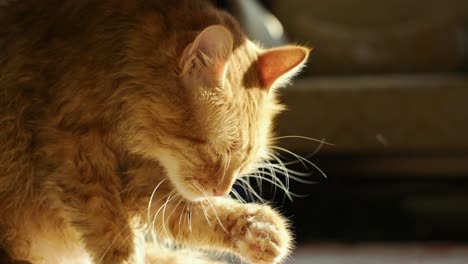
<point>204,61</point>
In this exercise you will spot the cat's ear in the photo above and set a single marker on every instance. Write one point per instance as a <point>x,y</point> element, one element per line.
<point>205,59</point>
<point>276,66</point>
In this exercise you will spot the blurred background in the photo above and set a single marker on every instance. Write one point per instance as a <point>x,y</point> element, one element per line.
<point>386,88</point>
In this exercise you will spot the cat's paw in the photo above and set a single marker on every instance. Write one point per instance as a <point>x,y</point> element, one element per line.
<point>262,236</point>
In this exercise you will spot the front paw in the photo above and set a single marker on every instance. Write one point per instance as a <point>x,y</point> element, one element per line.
<point>262,236</point>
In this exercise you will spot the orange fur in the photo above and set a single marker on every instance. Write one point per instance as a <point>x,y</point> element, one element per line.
<point>96,111</point>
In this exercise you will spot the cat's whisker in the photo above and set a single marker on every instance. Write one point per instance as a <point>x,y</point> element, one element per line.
<point>302,159</point>
<point>227,163</point>
<point>321,141</point>
<point>212,207</point>
<point>151,199</point>
<point>205,214</point>
<point>189,217</point>
<point>298,160</point>
<point>160,199</point>
<point>279,184</point>
<point>217,218</point>
<point>297,179</point>
<point>237,196</point>
<point>285,174</point>
<point>281,169</point>
<point>184,211</point>
<point>317,149</point>
<point>281,164</point>
<point>290,176</point>
<point>273,170</point>
<point>112,243</point>
<point>248,192</point>
<point>237,183</point>
<point>259,182</point>
<point>251,190</point>
<point>125,240</point>
<point>288,192</point>
<point>221,167</point>
<point>261,171</point>
<point>164,212</point>
<point>151,222</point>
<point>259,186</point>
<point>179,197</point>
<point>201,205</point>
<point>161,208</point>
<point>216,214</point>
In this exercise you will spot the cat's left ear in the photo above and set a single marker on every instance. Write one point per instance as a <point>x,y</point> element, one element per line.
<point>205,59</point>
<point>278,65</point>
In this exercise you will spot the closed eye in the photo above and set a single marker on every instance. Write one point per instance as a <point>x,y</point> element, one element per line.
<point>193,139</point>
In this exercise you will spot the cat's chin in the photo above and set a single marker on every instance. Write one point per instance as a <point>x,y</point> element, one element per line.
<point>191,195</point>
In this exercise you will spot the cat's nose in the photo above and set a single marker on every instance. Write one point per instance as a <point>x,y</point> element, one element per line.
<point>224,186</point>
<point>220,193</point>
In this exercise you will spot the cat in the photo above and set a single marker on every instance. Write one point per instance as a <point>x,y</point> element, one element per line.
<point>120,118</point>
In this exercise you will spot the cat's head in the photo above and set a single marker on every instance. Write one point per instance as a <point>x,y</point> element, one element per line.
<point>217,123</point>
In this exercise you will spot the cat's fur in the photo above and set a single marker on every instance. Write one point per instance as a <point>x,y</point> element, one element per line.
<point>103,101</point>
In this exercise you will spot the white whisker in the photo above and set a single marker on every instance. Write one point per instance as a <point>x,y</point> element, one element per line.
<point>279,184</point>
<point>248,190</point>
<point>285,173</point>
<point>302,160</point>
<point>308,156</point>
<point>281,169</point>
<point>164,212</point>
<point>288,192</point>
<point>291,171</point>
<point>184,210</point>
<point>290,176</point>
<point>227,163</point>
<point>237,196</point>
<point>251,190</point>
<point>321,141</point>
<point>205,214</point>
<point>245,189</point>
<point>152,222</point>
<point>212,207</point>
<point>151,199</point>
<point>189,217</point>
<point>259,184</point>
<point>112,243</point>
<point>201,205</point>
<point>176,206</point>
<point>216,215</point>
<point>162,207</point>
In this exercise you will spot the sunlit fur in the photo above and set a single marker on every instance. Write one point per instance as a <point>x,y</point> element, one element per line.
<point>102,142</point>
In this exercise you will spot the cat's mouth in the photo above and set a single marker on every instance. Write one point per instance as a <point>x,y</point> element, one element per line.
<point>195,191</point>
<point>193,188</point>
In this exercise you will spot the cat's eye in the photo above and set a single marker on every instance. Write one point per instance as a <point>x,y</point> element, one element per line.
<point>193,139</point>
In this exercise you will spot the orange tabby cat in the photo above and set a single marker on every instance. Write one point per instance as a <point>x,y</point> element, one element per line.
<point>123,116</point>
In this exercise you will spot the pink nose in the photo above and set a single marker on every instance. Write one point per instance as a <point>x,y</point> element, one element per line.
<point>220,193</point>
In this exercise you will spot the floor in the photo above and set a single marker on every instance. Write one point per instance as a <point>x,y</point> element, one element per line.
<point>381,254</point>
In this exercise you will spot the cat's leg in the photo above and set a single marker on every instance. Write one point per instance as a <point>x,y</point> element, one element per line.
<point>5,259</point>
<point>14,246</point>
<point>256,233</point>
<point>89,191</point>
<point>97,215</point>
